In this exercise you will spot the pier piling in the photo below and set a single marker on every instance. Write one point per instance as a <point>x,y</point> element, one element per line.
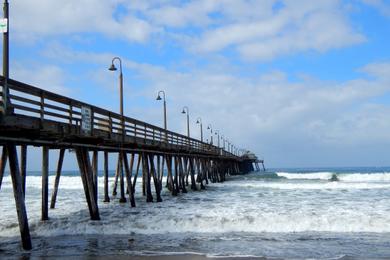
<point>45,183</point>
<point>19,197</point>
<point>106,196</point>
<point>57,179</point>
<point>3,162</point>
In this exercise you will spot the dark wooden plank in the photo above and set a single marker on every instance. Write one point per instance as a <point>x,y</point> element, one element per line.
<point>106,196</point>
<point>146,172</point>
<point>19,197</point>
<point>136,172</point>
<point>122,199</point>
<point>3,162</point>
<point>129,172</point>
<point>192,172</point>
<point>57,179</point>
<point>176,179</point>
<point>23,165</point>
<point>45,183</point>
<point>95,172</point>
<point>87,171</point>
<point>115,186</point>
<point>80,162</point>
<point>156,180</point>
<point>181,176</point>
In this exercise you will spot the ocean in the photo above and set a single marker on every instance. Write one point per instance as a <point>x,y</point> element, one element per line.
<point>331,213</point>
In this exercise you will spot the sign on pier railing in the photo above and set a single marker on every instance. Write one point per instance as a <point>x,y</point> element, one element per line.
<point>86,122</point>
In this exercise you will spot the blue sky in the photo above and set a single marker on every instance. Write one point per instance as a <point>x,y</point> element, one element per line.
<point>299,82</point>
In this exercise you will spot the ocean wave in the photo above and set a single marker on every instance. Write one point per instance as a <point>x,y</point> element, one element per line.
<point>312,185</point>
<point>347,177</point>
<point>210,222</point>
<point>306,176</point>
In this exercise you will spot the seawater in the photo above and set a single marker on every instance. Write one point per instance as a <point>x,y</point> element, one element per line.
<point>283,213</point>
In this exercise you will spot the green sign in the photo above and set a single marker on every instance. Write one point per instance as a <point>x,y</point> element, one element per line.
<point>4,25</point>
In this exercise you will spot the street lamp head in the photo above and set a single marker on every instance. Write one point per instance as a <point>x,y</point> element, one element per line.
<point>183,112</point>
<point>197,121</point>
<point>158,97</point>
<point>112,67</point>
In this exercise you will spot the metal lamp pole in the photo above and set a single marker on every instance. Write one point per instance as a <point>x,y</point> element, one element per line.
<point>209,127</point>
<point>120,159</point>
<point>199,121</point>
<point>187,111</point>
<point>217,133</point>
<point>165,111</point>
<point>6,59</point>
<point>113,68</point>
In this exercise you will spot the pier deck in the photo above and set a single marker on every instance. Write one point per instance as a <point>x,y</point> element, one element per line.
<point>33,116</point>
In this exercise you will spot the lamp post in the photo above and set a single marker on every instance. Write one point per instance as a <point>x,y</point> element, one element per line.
<point>199,121</point>
<point>113,68</point>
<point>6,59</point>
<point>187,111</point>
<point>222,138</point>
<point>209,127</point>
<point>165,111</point>
<point>217,133</point>
<point>120,159</point>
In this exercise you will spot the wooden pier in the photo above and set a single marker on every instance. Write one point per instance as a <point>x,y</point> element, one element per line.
<point>35,117</point>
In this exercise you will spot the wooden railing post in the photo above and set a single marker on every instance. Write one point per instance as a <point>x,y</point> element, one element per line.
<point>145,133</point>
<point>110,124</point>
<point>70,116</point>
<point>42,107</point>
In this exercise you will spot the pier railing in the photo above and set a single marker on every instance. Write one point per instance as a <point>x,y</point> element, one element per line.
<point>27,100</point>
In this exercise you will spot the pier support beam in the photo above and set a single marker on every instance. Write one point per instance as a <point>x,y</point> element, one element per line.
<point>95,172</point>
<point>114,188</point>
<point>129,173</point>
<point>45,183</point>
<point>3,162</point>
<point>106,197</point>
<point>192,172</point>
<point>19,197</point>
<point>86,177</point>
<point>122,181</point>
<point>175,180</point>
<point>57,179</point>
<point>23,164</point>
<point>156,179</point>
<point>182,174</point>
<point>137,172</point>
<point>146,172</point>
<point>170,183</point>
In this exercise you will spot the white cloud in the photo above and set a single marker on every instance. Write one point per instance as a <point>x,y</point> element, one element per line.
<point>249,108</point>
<point>31,19</point>
<point>256,29</point>
<point>381,5</point>
<point>48,77</point>
<point>298,26</point>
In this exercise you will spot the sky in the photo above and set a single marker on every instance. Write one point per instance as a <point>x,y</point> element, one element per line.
<point>301,83</point>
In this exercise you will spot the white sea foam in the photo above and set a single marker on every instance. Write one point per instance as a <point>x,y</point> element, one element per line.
<point>349,177</point>
<point>314,186</point>
<point>365,177</point>
<point>233,206</point>
<point>307,176</point>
